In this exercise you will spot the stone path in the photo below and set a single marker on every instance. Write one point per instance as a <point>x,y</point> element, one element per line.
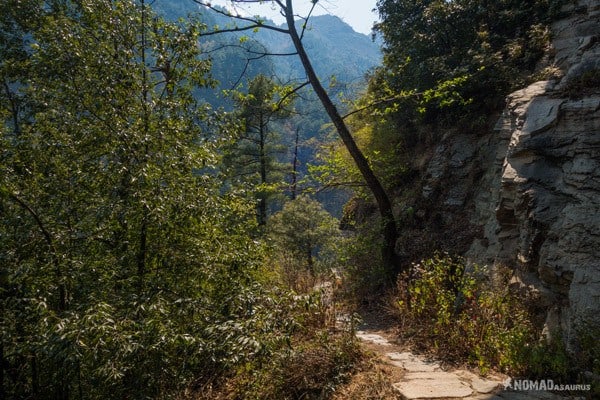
<point>426,379</point>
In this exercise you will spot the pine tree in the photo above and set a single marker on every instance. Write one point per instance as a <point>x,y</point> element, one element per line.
<point>254,156</point>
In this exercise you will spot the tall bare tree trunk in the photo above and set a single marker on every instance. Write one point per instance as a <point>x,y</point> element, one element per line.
<point>390,231</point>
<point>294,185</point>
<point>262,201</point>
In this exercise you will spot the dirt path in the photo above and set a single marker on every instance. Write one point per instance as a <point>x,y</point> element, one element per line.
<point>416,377</point>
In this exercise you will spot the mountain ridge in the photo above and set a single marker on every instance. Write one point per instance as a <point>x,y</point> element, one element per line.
<point>336,49</point>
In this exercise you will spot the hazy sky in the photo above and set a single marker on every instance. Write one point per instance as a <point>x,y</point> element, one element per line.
<point>357,13</point>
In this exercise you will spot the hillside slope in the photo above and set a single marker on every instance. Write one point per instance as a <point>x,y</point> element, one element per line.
<point>335,48</point>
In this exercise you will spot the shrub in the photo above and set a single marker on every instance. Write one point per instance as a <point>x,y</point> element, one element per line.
<point>364,275</point>
<point>455,312</point>
<point>586,357</point>
<point>585,84</point>
<point>308,361</point>
<point>304,238</point>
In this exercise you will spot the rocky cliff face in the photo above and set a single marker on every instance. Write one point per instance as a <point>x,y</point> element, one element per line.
<point>531,189</point>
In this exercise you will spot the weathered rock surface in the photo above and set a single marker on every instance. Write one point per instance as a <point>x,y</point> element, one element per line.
<point>545,182</point>
<point>527,195</point>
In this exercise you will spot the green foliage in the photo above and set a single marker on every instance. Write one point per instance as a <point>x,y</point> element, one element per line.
<point>445,94</point>
<point>313,362</point>
<point>451,310</point>
<point>363,267</point>
<point>588,355</point>
<point>336,168</point>
<point>231,64</point>
<point>461,57</point>
<point>126,269</point>
<point>252,157</point>
<point>582,85</point>
<point>458,315</point>
<point>305,238</point>
<point>549,358</point>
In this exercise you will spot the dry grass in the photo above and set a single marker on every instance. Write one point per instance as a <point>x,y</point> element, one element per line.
<point>311,371</point>
<point>372,380</point>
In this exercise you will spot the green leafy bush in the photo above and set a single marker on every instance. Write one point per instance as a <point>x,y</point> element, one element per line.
<point>550,357</point>
<point>364,274</point>
<point>458,314</point>
<point>586,83</point>
<point>587,358</point>
<point>304,358</point>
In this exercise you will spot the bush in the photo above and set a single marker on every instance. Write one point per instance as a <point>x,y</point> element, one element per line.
<point>586,358</point>
<point>363,272</point>
<point>457,314</point>
<point>583,85</point>
<point>307,361</point>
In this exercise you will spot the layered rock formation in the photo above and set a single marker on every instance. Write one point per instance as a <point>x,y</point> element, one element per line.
<point>533,185</point>
<point>546,221</point>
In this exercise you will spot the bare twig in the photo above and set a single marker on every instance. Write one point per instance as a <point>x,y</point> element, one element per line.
<point>254,24</point>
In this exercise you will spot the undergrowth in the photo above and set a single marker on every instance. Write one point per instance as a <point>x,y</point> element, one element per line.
<point>584,85</point>
<point>459,316</point>
<point>310,360</point>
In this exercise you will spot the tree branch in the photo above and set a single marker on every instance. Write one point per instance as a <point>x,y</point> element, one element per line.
<point>305,25</point>
<point>62,298</point>
<point>333,185</point>
<point>294,91</point>
<point>36,218</point>
<point>254,24</point>
<point>382,101</point>
<point>247,50</point>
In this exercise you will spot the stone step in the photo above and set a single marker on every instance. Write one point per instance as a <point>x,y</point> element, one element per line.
<point>432,385</point>
<point>425,378</point>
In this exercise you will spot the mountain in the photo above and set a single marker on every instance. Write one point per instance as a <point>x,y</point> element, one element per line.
<point>334,47</point>
<point>336,50</point>
<point>340,56</point>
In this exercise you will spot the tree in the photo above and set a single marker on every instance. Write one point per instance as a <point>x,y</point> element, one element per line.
<point>461,57</point>
<point>120,254</point>
<point>303,231</point>
<point>389,228</point>
<point>253,155</point>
